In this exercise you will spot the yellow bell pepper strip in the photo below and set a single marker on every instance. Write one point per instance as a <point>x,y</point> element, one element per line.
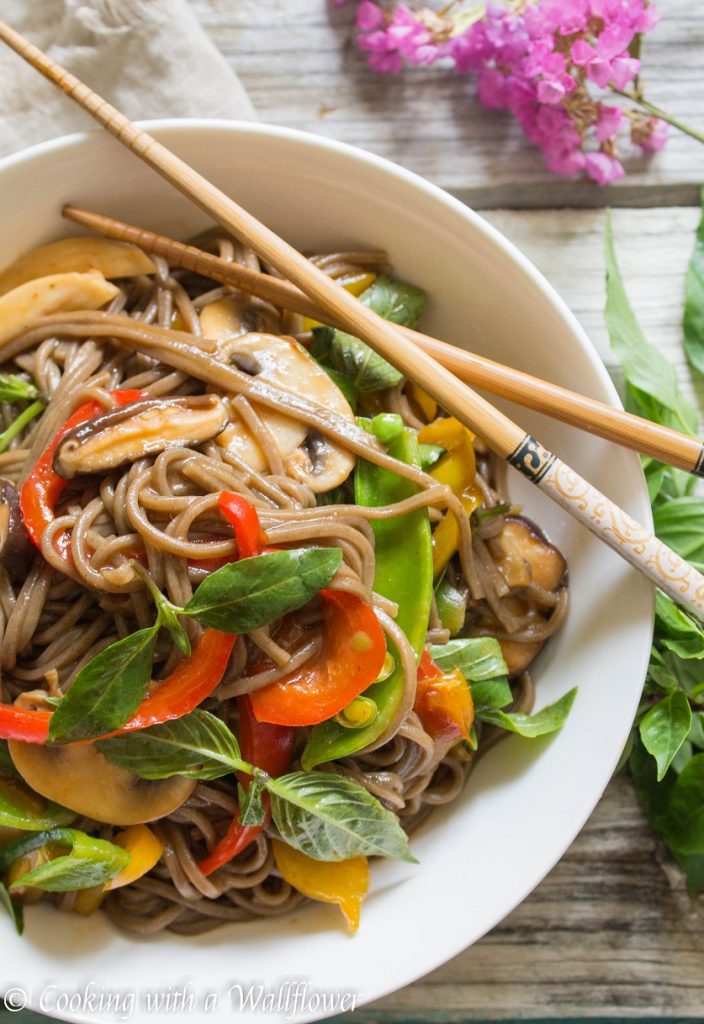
<point>355,284</point>
<point>457,470</point>
<point>343,882</point>
<point>425,402</point>
<point>145,850</point>
<point>400,542</point>
<point>443,702</point>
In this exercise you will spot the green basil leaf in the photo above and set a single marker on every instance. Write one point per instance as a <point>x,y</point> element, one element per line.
<point>675,630</point>
<point>250,801</point>
<point>361,365</point>
<point>550,719</point>
<point>167,612</point>
<point>477,658</point>
<point>397,301</point>
<point>451,605</point>
<point>331,818</point>
<point>660,674</point>
<point>678,523</point>
<point>665,727</point>
<point>682,757</point>
<point>693,866</point>
<point>89,861</point>
<point>491,693</point>
<point>198,745</point>
<point>682,824</point>
<point>14,909</point>
<point>693,322</point>
<point>107,691</point>
<point>654,796</point>
<point>344,384</point>
<point>253,592</point>
<point>655,473</point>
<point>17,802</point>
<point>651,377</point>
<point>696,731</point>
<point>15,389</point>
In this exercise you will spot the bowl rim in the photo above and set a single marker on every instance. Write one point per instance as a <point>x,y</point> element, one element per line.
<point>435,957</point>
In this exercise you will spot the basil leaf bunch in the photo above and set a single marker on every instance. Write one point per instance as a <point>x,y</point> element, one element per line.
<point>666,750</point>
<point>342,353</point>
<point>321,814</point>
<point>236,598</point>
<point>87,862</point>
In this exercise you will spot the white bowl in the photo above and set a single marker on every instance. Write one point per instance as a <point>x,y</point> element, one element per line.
<point>527,800</point>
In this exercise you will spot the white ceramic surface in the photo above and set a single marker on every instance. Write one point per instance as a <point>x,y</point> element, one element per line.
<point>527,800</point>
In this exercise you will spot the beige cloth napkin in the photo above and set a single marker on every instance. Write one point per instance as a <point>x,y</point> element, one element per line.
<point>151,58</point>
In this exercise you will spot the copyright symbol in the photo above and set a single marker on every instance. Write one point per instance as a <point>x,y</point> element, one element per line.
<point>15,999</point>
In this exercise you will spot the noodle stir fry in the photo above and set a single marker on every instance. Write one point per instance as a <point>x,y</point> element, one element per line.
<point>262,602</point>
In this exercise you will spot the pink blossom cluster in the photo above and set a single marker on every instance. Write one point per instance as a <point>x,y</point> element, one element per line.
<point>554,64</point>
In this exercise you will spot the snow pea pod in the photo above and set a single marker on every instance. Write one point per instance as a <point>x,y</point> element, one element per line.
<point>404,574</point>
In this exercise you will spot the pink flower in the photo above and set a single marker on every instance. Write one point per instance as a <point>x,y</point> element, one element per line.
<point>608,122</point>
<point>603,168</point>
<point>649,133</point>
<point>369,16</point>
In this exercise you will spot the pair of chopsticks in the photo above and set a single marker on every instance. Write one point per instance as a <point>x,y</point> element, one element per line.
<point>327,302</point>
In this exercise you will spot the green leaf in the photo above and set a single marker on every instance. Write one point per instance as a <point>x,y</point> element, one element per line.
<point>14,909</point>
<point>678,523</point>
<point>664,729</point>
<point>331,818</point>
<point>696,731</point>
<point>18,809</point>
<point>167,612</point>
<point>477,658</point>
<point>693,322</point>
<point>88,862</point>
<point>682,824</point>
<point>197,745</point>
<point>19,423</point>
<point>483,515</point>
<point>653,795</point>
<point>253,592</point>
<point>675,630</point>
<point>451,605</point>
<point>15,389</point>
<point>660,675</point>
<point>550,719</point>
<point>491,694</point>
<point>107,691</point>
<point>693,867</point>
<point>397,301</point>
<point>651,377</point>
<point>364,370</point>
<point>250,801</point>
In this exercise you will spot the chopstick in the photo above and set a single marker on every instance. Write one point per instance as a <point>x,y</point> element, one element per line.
<point>606,520</point>
<point>623,428</point>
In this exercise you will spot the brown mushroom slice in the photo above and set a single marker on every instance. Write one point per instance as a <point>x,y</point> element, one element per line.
<point>79,777</point>
<point>518,654</point>
<point>227,318</point>
<point>112,259</point>
<point>528,556</point>
<point>57,293</point>
<point>16,549</point>
<point>130,432</point>
<point>280,360</point>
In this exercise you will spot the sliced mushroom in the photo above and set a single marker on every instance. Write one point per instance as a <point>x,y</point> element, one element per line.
<point>281,360</point>
<point>527,557</point>
<point>142,428</point>
<point>238,314</point>
<point>112,259</point>
<point>78,776</point>
<point>57,293</point>
<point>16,549</point>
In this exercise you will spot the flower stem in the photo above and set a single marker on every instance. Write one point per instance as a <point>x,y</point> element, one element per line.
<point>18,425</point>
<point>657,112</point>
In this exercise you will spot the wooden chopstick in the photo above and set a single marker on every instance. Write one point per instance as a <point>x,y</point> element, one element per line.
<point>606,520</point>
<point>560,403</point>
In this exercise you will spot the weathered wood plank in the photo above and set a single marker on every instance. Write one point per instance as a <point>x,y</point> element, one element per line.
<point>298,60</point>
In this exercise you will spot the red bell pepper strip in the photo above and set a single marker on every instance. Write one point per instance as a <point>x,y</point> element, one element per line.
<point>443,701</point>
<point>269,747</point>
<point>187,686</point>
<point>350,659</point>
<point>43,487</point>
<point>242,517</point>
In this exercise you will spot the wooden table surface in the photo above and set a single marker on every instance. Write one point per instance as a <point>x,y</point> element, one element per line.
<point>611,931</point>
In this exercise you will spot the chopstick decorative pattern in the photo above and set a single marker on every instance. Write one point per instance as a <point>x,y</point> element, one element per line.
<point>609,523</point>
